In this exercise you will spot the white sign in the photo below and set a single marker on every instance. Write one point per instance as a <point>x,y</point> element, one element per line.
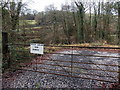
<point>36,48</point>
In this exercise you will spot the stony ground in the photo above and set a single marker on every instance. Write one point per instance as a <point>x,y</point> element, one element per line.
<point>29,79</point>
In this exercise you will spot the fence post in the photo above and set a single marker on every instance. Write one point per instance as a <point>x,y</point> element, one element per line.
<point>5,50</point>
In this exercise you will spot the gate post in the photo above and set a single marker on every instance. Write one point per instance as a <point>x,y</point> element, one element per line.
<point>5,50</point>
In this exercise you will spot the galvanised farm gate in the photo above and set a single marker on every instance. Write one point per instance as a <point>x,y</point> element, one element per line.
<point>66,61</point>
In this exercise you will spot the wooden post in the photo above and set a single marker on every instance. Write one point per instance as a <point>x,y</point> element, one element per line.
<point>4,42</point>
<point>5,50</point>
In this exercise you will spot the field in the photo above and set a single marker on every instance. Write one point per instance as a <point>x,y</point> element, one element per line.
<point>29,22</point>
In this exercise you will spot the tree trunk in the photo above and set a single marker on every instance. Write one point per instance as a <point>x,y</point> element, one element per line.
<point>81,22</point>
<point>119,22</point>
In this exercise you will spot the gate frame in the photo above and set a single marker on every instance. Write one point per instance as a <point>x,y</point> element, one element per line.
<point>81,48</point>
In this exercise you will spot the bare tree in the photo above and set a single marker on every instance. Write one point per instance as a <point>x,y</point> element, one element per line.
<point>118,3</point>
<point>81,13</point>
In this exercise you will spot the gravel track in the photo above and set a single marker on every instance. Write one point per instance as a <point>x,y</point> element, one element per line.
<point>39,80</point>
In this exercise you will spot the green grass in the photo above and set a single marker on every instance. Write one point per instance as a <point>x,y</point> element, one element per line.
<point>33,28</point>
<point>29,22</point>
<point>36,27</point>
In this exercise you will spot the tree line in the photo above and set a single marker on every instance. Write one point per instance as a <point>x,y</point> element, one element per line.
<point>79,22</point>
<point>83,22</point>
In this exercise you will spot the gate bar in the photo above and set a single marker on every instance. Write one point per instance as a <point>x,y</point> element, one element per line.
<point>78,67</point>
<point>68,75</point>
<point>69,46</point>
<point>72,71</point>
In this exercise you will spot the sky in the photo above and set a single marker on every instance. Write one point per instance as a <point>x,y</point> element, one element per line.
<point>40,5</point>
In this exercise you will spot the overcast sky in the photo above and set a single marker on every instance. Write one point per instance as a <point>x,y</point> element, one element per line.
<point>40,5</point>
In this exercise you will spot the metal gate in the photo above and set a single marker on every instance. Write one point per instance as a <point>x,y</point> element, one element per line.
<point>70,61</point>
<point>91,63</point>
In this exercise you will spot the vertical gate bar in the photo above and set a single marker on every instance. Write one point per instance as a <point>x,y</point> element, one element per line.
<point>72,62</point>
<point>1,56</point>
<point>1,51</point>
<point>119,67</point>
<point>119,73</point>
<point>36,63</point>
